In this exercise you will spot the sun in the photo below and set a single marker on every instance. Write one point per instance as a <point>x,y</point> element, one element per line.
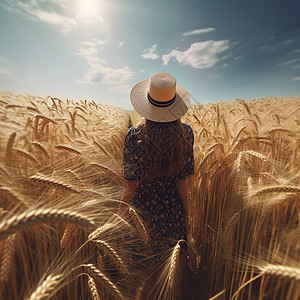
<point>88,11</point>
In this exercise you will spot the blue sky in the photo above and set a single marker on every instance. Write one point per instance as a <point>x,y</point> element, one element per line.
<point>218,50</point>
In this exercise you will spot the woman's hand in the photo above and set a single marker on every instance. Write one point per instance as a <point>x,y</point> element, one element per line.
<point>127,195</point>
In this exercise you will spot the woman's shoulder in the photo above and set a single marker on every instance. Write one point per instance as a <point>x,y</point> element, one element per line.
<point>132,130</point>
<point>132,133</point>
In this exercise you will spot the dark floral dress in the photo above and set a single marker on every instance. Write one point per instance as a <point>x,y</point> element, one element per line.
<point>158,201</point>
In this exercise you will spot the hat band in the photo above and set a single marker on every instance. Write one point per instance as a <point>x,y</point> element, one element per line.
<point>161,103</point>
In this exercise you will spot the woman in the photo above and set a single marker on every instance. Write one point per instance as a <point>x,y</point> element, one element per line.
<point>158,157</point>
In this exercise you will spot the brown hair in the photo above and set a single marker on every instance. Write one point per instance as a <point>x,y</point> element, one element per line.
<point>162,145</point>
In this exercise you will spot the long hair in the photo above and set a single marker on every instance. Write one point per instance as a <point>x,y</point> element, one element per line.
<point>162,146</point>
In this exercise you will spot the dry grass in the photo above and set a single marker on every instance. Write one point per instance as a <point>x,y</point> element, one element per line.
<point>61,180</point>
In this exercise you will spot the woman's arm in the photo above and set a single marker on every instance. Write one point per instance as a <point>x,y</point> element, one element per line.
<point>181,187</point>
<point>127,194</point>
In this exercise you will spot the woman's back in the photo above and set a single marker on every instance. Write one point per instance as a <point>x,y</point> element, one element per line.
<point>147,159</point>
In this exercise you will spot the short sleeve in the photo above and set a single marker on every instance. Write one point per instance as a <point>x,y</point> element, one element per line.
<point>130,157</point>
<point>188,162</point>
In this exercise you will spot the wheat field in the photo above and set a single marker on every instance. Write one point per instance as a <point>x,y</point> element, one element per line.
<point>61,180</point>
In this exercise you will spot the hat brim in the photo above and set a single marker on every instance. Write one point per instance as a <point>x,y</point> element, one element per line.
<point>139,100</point>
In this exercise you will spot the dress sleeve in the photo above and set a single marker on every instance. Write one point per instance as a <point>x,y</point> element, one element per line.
<point>130,158</point>
<point>188,162</point>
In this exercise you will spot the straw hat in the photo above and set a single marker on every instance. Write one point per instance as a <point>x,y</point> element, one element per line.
<point>160,99</point>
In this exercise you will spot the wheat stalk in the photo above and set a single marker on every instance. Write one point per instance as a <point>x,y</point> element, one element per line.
<point>105,281</point>
<point>41,216</point>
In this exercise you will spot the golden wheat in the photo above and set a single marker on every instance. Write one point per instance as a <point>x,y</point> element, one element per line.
<point>44,290</point>
<point>41,216</point>
<point>105,281</point>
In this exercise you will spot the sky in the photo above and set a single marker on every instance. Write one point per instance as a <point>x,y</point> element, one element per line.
<point>99,49</point>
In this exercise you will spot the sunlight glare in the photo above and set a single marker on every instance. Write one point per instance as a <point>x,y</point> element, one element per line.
<point>88,11</point>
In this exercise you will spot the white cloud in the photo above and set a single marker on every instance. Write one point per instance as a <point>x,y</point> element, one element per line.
<point>202,55</point>
<point>89,50</point>
<point>289,62</point>
<point>296,78</point>
<point>121,44</point>
<point>287,42</point>
<point>295,51</point>
<point>67,14</point>
<point>95,43</point>
<point>98,71</point>
<point>3,59</point>
<point>199,31</point>
<point>4,71</point>
<point>150,53</point>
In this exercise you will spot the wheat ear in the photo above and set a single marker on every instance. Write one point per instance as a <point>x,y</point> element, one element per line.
<point>67,148</point>
<point>44,290</point>
<point>229,229</point>
<point>41,148</point>
<point>139,226</point>
<point>281,271</point>
<point>40,216</point>
<point>9,146</point>
<point>174,263</point>
<point>95,234</point>
<point>113,255</point>
<point>278,129</point>
<point>26,155</point>
<point>52,182</point>
<point>105,281</point>
<point>93,288</point>
<point>276,189</point>
<point>256,154</point>
<point>102,149</point>
<point>110,174</point>
<point>122,221</point>
<point>67,235</point>
<point>8,252</point>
